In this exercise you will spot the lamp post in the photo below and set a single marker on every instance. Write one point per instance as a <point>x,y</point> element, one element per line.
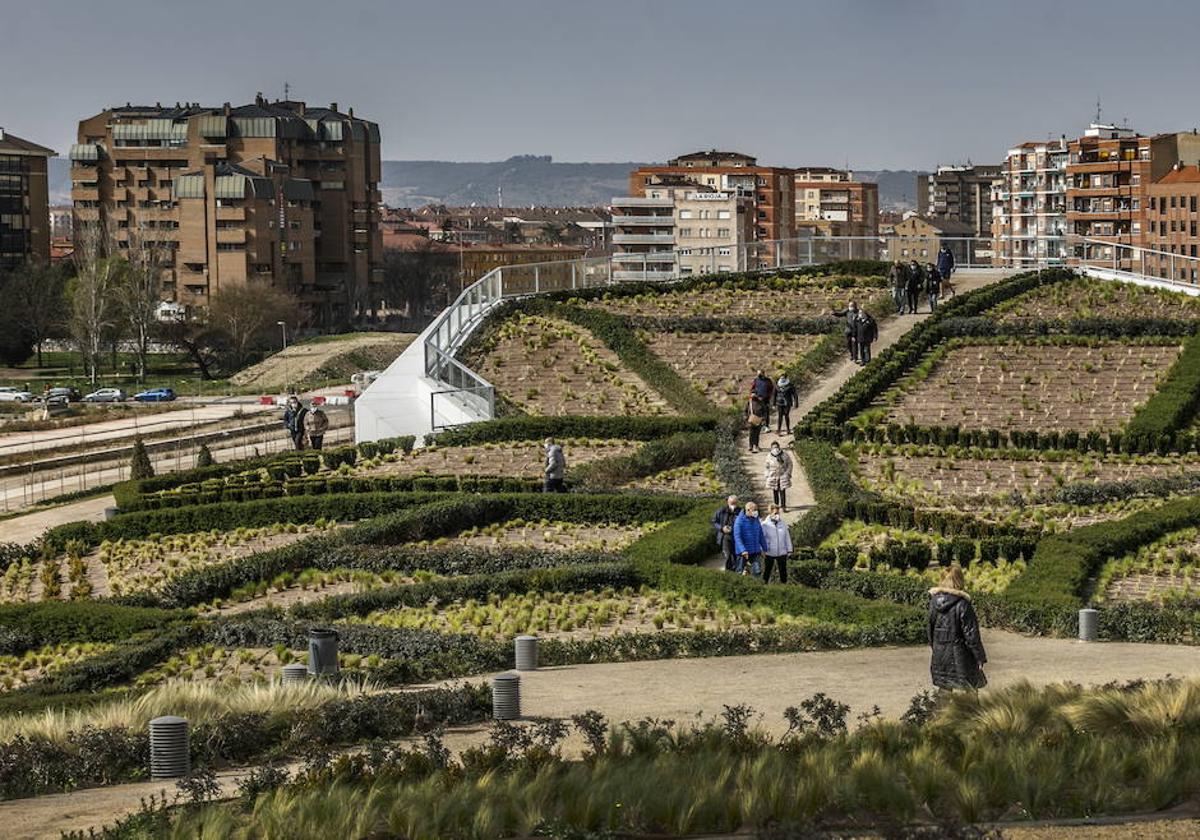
<point>286,379</point>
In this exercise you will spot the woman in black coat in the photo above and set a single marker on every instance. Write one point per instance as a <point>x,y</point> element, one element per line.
<point>958,654</point>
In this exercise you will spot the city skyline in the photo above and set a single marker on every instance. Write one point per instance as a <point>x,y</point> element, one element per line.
<point>818,83</point>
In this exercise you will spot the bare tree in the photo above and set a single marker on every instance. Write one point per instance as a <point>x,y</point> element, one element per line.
<point>93,315</point>
<point>412,277</point>
<point>248,316</point>
<point>140,292</point>
<point>34,294</point>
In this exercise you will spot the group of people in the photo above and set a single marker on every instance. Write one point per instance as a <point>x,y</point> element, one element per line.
<point>861,332</point>
<point>909,280</point>
<point>764,392</point>
<point>305,425</point>
<point>751,545</point>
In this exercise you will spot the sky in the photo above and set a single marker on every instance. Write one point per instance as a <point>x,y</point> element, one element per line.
<point>876,84</point>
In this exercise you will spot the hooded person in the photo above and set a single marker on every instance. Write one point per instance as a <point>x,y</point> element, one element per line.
<point>958,655</point>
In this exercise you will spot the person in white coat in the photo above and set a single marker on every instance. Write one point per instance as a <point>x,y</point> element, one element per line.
<point>778,542</point>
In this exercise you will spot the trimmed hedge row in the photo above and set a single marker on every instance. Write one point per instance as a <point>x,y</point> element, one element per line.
<point>982,326</point>
<point>129,494</point>
<point>654,457</point>
<point>27,626</point>
<point>1173,404</point>
<point>687,540</point>
<point>526,427</point>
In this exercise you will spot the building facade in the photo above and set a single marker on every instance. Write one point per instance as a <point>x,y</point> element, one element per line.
<point>24,201</point>
<point>771,190</point>
<point>1109,173</point>
<point>277,193</point>
<point>1029,205</point>
<point>960,194</point>
<point>918,238</point>
<point>1172,239</point>
<point>829,202</point>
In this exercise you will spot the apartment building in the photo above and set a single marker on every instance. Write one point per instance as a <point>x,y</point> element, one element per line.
<point>1029,205</point>
<point>960,194</point>
<point>277,193</point>
<point>681,227</point>
<point>918,238</point>
<point>829,202</point>
<point>24,201</point>
<point>771,190</point>
<point>1109,173</point>
<point>1172,240</point>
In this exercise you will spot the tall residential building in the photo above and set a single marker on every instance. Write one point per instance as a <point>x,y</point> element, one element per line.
<point>960,194</point>
<point>771,189</point>
<point>24,201</point>
<point>277,193</point>
<point>681,226</point>
<point>1029,205</point>
<point>1109,174</point>
<point>1172,239</point>
<point>829,202</point>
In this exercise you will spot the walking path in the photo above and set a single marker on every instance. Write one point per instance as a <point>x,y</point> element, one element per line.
<point>800,497</point>
<point>24,529</point>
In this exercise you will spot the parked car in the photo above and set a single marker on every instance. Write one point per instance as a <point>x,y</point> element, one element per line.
<point>68,394</point>
<point>155,395</point>
<point>106,395</point>
<point>11,394</point>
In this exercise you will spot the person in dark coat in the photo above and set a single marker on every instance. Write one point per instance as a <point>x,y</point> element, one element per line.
<point>945,267</point>
<point>763,389</point>
<point>866,331</point>
<point>785,399</point>
<point>897,276</point>
<point>850,313</point>
<point>933,286</point>
<point>958,654</point>
<point>722,523</point>
<point>757,415</point>
<point>293,420</point>
<point>912,286</point>
<point>556,468</point>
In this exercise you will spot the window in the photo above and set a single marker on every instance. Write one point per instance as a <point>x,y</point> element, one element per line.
<point>685,214</point>
<point>904,252</point>
<point>685,231</point>
<point>723,233</point>
<point>1192,204</point>
<point>724,214</point>
<point>231,246</point>
<point>724,252</point>
<point>1172,202</point>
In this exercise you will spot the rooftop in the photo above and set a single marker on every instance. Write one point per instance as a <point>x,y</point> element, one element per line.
<point>13,145</point>
<point>1182,175</point>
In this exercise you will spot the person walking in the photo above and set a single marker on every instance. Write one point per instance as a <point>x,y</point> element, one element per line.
<point>556,468</point>
<point>777,544</point>
<point>867,331</point>
<point>933,286</point>
<point>912,286</point>
<point>958,654</point>
<point>293,420</point>
<point>316,423</point>
<point>748,541</point>
<point>762,389</point>
<point>785,400</point>
<point>757,415</point>
<point>945,267</point>
<point>722,522</point>
<point>897,277</point>
<point>850,313</point>
<point>779,474</point>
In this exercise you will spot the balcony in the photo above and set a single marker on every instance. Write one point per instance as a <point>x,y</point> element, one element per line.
<point>82,193</point>
<point>231,235</point>
<point>638,201</point>
<point>644,256</point>
<point>656,221</point>
<point>643,239</point>
<point>233,214</point>
<point>648,274</point>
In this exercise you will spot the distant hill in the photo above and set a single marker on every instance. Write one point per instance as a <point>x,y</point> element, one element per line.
<point>525,180</point>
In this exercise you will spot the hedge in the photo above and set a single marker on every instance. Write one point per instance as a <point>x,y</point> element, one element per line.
<point>675,451</point>
<point>129,494</point>
<point>1173,405</point>
<point>538,428</point>
<point>981,326</point>
<point>687,540</point>
<point>27,626</point>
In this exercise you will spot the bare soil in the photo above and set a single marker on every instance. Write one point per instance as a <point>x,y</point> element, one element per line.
<point>1035,387</point>
<point>555,536</point>
<point>798,299</point>
<point>698,479</point>
<point>1087,298</point>
<point>518,459</point>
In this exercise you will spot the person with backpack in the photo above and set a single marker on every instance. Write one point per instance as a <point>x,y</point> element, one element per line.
<point>958,655</point>
<point>896,279</point>
<point>866,331</point>
<point>945,267</point>
<point>785,400</point>
<point>316,423</point>
<point>556,468</point>
<point>850,313</point>
<point>933,286</point>
<point>912,286</point>
<point>723,521</point>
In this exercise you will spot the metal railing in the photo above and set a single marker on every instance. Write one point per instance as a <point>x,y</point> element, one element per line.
<point>463,393</point>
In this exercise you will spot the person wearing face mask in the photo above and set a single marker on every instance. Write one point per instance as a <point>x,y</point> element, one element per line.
<point>779,474</point>
<point>293,420</point>
<point>778,545</point>
<point>748,541</point>
<point>722,522</point>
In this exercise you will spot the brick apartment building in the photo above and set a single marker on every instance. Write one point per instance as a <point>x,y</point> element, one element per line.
<point>1171,236</point>
<point>24,201</point>
<point>829,202</point>
<point>277,193</point>
<point>960,194</point>
<point>1029,205</point>
<point>771,189</point>
<point>1109,174</point>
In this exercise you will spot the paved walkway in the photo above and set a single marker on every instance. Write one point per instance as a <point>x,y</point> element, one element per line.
<point>24,529</point>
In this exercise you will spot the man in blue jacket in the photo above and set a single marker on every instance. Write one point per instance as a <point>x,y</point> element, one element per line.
<point>748,540</point>
<point>945,267</point>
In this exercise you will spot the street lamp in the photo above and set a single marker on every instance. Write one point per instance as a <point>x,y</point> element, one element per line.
<point>286,378</point>
<point>283,326</point>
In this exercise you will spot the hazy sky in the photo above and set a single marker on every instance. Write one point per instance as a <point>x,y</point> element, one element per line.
<point>877,83</point>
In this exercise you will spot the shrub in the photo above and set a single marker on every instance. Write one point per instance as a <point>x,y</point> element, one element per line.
<point>204,458</point>
<point>139,463</point>
<point>654,457</point>
<point>1173,405</point>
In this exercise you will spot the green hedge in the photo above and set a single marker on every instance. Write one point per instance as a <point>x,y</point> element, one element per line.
<point>675,451</point>
<point>538,428</point>
<point>129,494</point>
<point>687,540</point>
<point>26,626</point>
<point>1173,405</point>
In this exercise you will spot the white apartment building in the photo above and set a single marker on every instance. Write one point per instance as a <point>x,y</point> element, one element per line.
<point>1029,205</point>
